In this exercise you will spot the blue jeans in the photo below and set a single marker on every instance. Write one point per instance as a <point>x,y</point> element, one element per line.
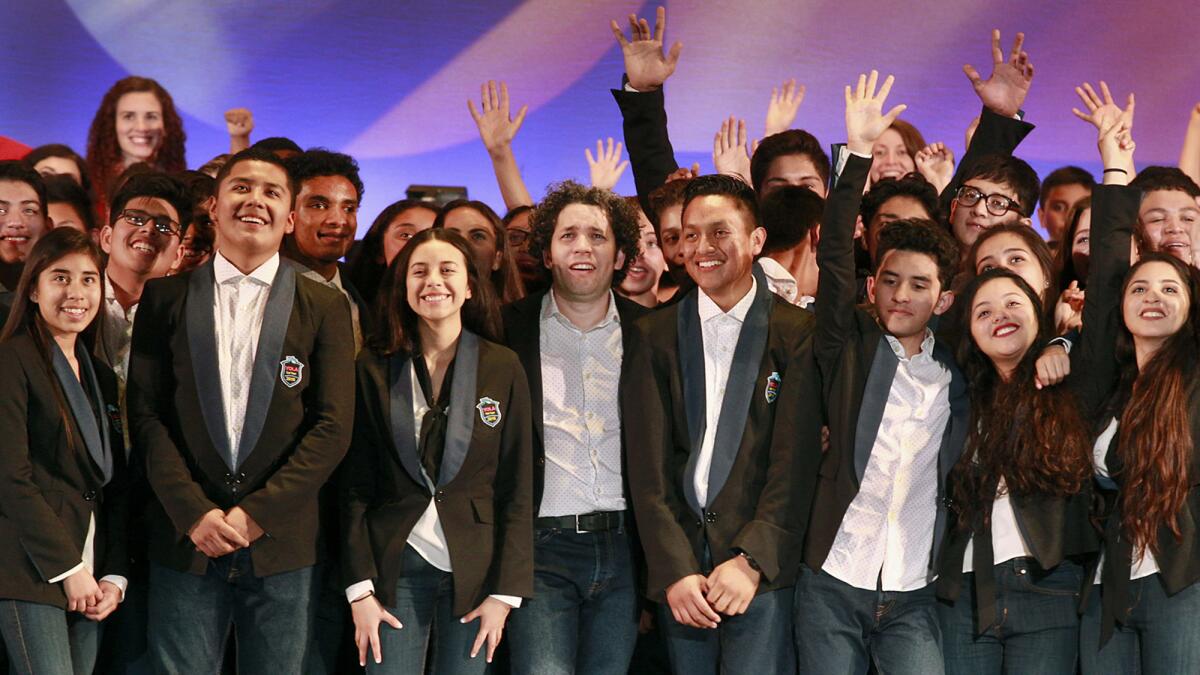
<point>843,629</point>
<point>425,609</point>
<point>191,615</point>
<point>583,615</point>
<point>754,643</point>
<point>46,640</point>
<point>1037,628</point>
<point>1160,637</point>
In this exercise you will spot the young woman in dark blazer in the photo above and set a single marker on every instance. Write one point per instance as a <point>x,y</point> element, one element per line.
<point>437,491</point>
<point>62,518</point>
<point>1013,565</point>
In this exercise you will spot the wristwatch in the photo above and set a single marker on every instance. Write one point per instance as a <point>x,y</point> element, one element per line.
<point>749,559</point>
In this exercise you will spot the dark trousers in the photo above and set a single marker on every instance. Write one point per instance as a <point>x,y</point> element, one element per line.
<point>1160,637</point>
<point>46,640</point>
<point>756,642</point>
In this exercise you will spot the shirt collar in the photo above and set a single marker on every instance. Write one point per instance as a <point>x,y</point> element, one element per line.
<point>924,356</point>
<point>709,309</point>
<point>223,270</point>
<point>550,310</point>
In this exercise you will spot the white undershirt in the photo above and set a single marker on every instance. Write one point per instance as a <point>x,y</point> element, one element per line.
<point>1147,565</point>
<point>1007,541</point>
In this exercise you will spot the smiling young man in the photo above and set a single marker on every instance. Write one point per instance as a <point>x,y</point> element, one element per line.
<point>571,341</point>
<point>1169,216</point>
<point>996,190</point>
<point>896,410</point>
<point>22,218</point>
<point>240,404</point>
<point>719,505</point>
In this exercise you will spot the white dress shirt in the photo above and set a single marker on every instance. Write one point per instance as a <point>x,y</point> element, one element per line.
<point>720,331</point>
<point>1007,540</point>
<point>239,303</point>
<point>886,535</point>
<point>89,562</point>
<point>782,283</point>
<point>581,415</point>
<point>1147,565</point>
<point>117,335</point>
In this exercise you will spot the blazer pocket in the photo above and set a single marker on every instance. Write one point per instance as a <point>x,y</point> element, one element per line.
<point>484,511</point>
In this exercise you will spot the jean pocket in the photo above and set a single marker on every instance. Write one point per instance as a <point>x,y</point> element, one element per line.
<point>1065,580</point>
<point>543,536</point>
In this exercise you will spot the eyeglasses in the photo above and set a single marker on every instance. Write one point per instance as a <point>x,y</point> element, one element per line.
<point>162,224</point>
<point>517,237</point>
<point>997,204</point>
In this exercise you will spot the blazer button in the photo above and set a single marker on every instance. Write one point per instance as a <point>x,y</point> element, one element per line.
<point>241,476</point>
<point>234,489</point>
<point>439,496</point>
<point>89,495</point>
<point>699,523</point>
<point>710,517</point>
<point>541,461</point>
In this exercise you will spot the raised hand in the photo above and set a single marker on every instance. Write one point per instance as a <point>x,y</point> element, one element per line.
<point>1005,89</point>
<point>1117,147</point>
<point>606,167</point>
<point>684,173</point>
<point>239,122</point>
<point>1102,110</point>
<point>936,163</point>
<point>785,101</point>
<point>730,155</point>
<point>865,120</point>
<point>645,65</point>
<point>497,128</point>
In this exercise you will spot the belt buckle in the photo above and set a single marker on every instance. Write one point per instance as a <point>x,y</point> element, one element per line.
<point>578,528</point>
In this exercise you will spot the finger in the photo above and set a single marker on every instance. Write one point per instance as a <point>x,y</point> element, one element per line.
<point>493,641</point>
<point>860,91</point>
<point>644,29</point>
<point>634,31</point>
<point>376,650</point>
<point>754,146</point>
<point>741,133</point>
<point>660,27</point>
<point>1108,99</point>
<point>230,534</point>
<point>620,34</point>
<point>872,80</point>
<point>479,639</point>
<point>774,95</point>
<point>849,98</point>
<point>609,150</point>
<point>706,611</point>
<point>620,147</point>
<point>363,642</point>
<point>973,75</point>
<point>588,152</point>
<point>504,96</point>
<point>621,167</point>
<point>1081,115</point>
<point>471,616</point>
<point>886,88</point>
<point>1093,98</point>
<point>800,91</point>
<point>1129,108</point>
<point>494,94</point>
<point>1018,42</point>
<point>997,55</point>
<point>673,55</point>
<point>695,169</point>
<point>520,119</point>
<point>894,113</point>
<point>474,113</point>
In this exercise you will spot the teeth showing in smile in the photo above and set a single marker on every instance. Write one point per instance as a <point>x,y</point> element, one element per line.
<point>1153,314</point>
<point>144,248</point>
<point>583,267</point>
<point>435,297</point>
<point>253,220</point>
<point>141,140</point>
<point>1005,331</point>
<point>16,238</point>
<point>77,312</point>
<point>709,264</point>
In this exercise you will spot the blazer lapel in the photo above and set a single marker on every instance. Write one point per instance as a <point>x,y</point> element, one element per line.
<point>400,413</point>
<point>95,434</point>
<point>276,317</point>
<point>202,343</point>
<point>739,391</point>
<point>690,342</point>
<point>461,423</point>
<point>527,344</point>
<point>874,400</point>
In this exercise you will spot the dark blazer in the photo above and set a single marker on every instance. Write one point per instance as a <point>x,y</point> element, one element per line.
<point>857,368</point>
<point>482,491</point>
<point>760,478</point>
<point>644,121</point>
<point>49,489</point>
<point>298,416</point>
<point>523,333</point>
<point>995,135</point>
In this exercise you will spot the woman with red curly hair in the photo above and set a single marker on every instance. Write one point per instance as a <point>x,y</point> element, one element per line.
<point>136,122</point>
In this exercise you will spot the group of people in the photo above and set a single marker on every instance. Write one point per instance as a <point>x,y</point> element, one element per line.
<point>804,414</point>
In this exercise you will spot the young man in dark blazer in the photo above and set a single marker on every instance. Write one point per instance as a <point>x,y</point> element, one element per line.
<point>720,494</point>
<point>571,340</point>
<point>241,404</point>
<point>896,409</point>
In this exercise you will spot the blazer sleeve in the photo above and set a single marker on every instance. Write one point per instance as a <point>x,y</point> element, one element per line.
<point>149,396</point>
<point>325,442</point>
<point>118,497</point>
<point>995,135</point>
<point>357,484</point>
<point>42,534</point>
<point>644,122</point>
<point>1093,370</point>
<point>512,566</point>
<point>837,292</point>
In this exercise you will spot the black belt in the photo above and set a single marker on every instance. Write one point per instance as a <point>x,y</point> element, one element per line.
<point>601,521</point>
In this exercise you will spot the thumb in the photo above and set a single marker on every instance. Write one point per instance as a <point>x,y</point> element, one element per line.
<point>520,118</point>
<point>973,75</point>
<point>894,113</point>
<point>386,617</point>
<point>673,55</point>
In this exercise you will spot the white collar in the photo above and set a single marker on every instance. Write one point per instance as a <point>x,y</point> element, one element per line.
<point>709,309</point>
<point>924,356</point>
<point>550,310</point>
<point>223,270</point>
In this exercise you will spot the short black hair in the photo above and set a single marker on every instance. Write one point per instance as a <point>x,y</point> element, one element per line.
<point>724,186</point>
<point>154,184</point>
<point>911,185</point>
<point>1154,178</point>
<point>317,162</point>
<point>256,155</point>
<point>1066,175</point>
<point>620,214</point>
<point>62,189</point>
<point>59,150</point>
<point>788,215</point>
<point>1011,171</point>
<point>663,197</point>
<point>514,212</point>
<point>790,142</point>
<point>277,144</point>
<point>18,171</point>
<point>920,235</point>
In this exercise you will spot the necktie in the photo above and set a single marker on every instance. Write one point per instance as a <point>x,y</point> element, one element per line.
<point>436,419</point>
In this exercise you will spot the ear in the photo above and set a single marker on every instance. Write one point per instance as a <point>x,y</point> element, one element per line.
<point>859,228</point>
<point>943,303</point>
<point>498,260</point>
<point>1026,221</point>
<point>757,238</point>
<point>106,233</point>
<point>619,262</point>
<point>871,289</point>
<point>1041,213</point>
<point>814,236</point>
<point>289,225</point>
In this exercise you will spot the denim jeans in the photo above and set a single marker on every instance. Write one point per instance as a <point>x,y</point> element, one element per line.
<point>45,640</point>
<point>754,643</point>
<point>1037,629</point>
<point>583,615</point>
<point>425,608</point>
<point>123,643</point>
<point>843,629</point>
<point>191,615</point>
<point>1160,637</point>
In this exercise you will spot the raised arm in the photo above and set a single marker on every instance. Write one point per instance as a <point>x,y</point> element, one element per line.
<point>606,167</point>
<point>1189,157</point>
<point>497,129</point>
<point>785,102</point>
<point>239,122</point>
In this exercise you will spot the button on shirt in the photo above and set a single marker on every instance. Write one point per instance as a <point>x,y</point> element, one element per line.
<point>238,307</point>
<point>887,533</point>
<point>720,331</point>
<point>581,414</point>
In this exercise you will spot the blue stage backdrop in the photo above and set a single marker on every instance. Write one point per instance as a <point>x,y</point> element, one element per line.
<point>388,81</point>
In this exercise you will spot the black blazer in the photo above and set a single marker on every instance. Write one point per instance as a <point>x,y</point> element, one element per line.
<point>761,474</point>
<point>482,491</point>
<point>298,416</point>
<point>995,135</point>
<point>857,368</point>
<point>523,333</point>
<point>49,489</point>
<point>644,121</point>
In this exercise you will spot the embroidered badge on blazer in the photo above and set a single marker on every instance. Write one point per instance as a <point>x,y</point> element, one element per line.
<point>291,371</point>
<point>772,392</point>
<point>489,411</point>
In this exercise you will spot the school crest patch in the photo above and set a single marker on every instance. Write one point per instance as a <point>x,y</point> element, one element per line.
<point>291,371</point>
<point>772,391</point>
<point>489,411</point>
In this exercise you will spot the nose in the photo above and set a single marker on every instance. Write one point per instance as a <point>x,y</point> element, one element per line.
<point>980,207</point>
<point>1173,226</point>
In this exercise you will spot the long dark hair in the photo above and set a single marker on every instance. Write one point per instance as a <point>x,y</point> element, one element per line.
<point>1154,440</point>
<point>366,266</point>
<point>396,322</point>
<point>506,281</point>
<point>1064,261</point>
<point>1034,439</point>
